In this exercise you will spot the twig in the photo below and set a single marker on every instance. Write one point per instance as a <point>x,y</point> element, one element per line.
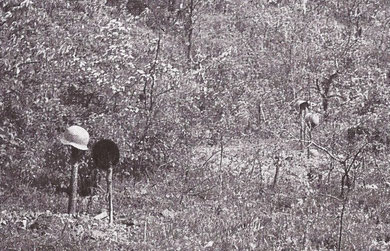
<point>221,150</point>
<point>212,155</point>
<point>327,152</point>
<point>323,149</point>
<point>145,229</point>
<point>356,154</point>
<point>330,196</point>
<point>203,191</point>
<point>341,224</point>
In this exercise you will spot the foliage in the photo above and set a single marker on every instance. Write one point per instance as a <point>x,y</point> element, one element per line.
<point>169,80</point>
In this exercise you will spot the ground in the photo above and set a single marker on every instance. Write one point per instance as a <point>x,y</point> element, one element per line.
<point>209,204</point>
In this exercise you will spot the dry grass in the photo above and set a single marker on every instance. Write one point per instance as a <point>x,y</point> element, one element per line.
<point>211,204</point>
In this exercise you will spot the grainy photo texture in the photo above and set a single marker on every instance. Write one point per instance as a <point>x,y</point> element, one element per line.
<point>194,125</point>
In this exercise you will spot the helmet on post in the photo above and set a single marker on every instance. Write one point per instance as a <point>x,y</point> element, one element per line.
<point>312,119</point>
<point>75,136</point>
<point>302,105</point>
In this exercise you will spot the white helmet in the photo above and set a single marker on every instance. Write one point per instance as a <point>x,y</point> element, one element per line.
<point>312,119</point>
<point>76,136</point>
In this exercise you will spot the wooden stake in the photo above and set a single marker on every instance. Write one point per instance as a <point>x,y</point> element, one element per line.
<point>277,163</point>
<point>74,158</point>
<point>309,143</point>
<point>302,131</point>
<point>73,192</point>
<point>109,187</point>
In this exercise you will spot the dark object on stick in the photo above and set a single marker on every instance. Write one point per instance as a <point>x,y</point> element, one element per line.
<point>302,106</point>
<point>105,154</point>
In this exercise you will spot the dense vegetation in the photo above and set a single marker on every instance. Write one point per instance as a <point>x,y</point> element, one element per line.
<point>199,95</point>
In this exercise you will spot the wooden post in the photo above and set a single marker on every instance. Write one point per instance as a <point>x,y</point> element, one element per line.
<point>303,107</point>
<point>75,157</point>
<point>304,129</point>
<point>302,135</point>
<point>78,138</point>
<point>308,146</point>
<point>109,187</point>
<point>277,163</point>
<point>73,190</point>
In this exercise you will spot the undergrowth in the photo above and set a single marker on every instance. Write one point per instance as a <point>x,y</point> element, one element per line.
<point>211,204</point>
